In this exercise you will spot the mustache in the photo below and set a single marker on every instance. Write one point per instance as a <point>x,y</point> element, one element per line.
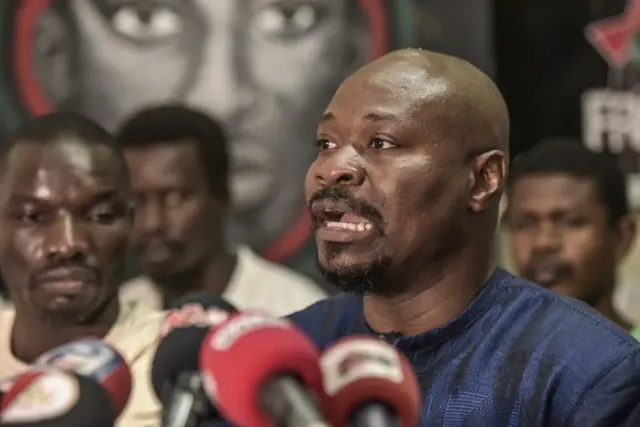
<point>150,242</point>
<point>360,207</point>
<point>72,269</point>
<point>560,267</point>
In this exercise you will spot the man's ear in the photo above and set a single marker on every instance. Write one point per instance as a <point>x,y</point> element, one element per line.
<point>626,235</point>
<point>486,179</point>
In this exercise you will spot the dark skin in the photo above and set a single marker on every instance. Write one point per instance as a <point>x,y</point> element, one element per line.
<point>179,225</point>
<point>562,237</point>
<point>66,210</point>
<point>415,144</point>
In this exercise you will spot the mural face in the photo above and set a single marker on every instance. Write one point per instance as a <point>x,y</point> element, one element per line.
<point>266,68</point>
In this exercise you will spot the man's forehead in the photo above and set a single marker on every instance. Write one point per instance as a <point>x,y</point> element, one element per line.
<point>31,165</point>
<point>557,189</point>
<point>388,94</point>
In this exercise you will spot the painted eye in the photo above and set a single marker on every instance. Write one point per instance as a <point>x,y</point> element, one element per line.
<point>147,23</point>
<point>286,21</point>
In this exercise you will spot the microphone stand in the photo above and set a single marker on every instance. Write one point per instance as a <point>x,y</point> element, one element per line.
<point>286,401</point>
<point>187,405</point>
<point>374,415</point>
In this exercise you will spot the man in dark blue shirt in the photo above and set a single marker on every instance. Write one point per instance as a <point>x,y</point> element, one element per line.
<point>404,198</point>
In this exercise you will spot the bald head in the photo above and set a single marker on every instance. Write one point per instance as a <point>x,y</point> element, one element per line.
<point>411,164</point>
<point>452,89</point>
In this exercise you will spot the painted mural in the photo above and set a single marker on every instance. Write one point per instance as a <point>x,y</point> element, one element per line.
<point>266,68</point>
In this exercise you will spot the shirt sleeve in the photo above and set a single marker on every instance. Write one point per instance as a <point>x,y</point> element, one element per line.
<point>614,398</point>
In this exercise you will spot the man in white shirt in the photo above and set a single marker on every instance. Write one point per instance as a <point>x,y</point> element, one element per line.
<point>179,163</point>
<point>65,210</point>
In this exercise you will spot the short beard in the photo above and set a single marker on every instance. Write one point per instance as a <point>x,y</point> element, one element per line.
<point>372,278</point>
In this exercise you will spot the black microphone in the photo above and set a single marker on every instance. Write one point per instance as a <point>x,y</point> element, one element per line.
<point>175,374</point>
<point>46,397</point>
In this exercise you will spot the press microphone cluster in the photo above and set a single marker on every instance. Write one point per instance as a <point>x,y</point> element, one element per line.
<point>85,383</point>
<point>254,370</point>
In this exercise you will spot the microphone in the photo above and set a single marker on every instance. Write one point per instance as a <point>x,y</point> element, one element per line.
<point>175,372</point>
<point>54,398</point>
<point>263,372</point>
<point>6,383</point>
<point>94,359</point>
<point>369,383</point>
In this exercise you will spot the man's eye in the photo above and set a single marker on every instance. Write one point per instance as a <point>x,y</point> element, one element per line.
<point>30,217</point>
<point>147,22</point>
<point>325,144</point>
<point>287,21</point>
<point>381,144</point>
<point>103,217</point>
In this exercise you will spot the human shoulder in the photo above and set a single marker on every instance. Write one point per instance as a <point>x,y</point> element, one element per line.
<point>141,289</point>
<point>136,330</point>
<point>550,313</point>
<point>256,280</point>
<point>569,338</point>
<point>275,273</point>
<point>328,319</point>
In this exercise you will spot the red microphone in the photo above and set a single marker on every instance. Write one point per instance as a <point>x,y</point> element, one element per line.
<point>262,371</point>
<point>94,359</point>
<point>46,397</point>
<point>369,383</point>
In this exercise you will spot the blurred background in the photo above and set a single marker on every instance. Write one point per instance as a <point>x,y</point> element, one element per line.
<point>267,68</point>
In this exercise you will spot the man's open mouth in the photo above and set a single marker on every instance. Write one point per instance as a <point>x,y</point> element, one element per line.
<point>336,221</point>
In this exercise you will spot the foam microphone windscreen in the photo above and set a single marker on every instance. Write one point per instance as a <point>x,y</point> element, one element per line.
<point>54,398</point>
<point>243,354</point>
<point>182,333</point>
<point>359,369</point>
<point>94,359</point>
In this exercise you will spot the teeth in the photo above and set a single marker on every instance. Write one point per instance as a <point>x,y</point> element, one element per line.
<point>349,226</point>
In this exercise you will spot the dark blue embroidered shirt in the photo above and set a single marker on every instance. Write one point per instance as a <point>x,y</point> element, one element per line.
<point>517,356</point>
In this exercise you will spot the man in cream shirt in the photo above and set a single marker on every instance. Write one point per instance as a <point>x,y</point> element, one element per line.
<point>179,173</point>
<point>65,219</point>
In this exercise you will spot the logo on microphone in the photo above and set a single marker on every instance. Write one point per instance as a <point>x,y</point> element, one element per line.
<point>48,395</point>
<point>357,361</point>
<point>358,358</point>
<point>239,326</point>
<point>90,358</point>
<point>193,315</point>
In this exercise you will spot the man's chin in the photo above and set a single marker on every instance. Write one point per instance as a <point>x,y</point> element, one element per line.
<point>67,315</point>
<point>68,311</point>
<point>357,278</point>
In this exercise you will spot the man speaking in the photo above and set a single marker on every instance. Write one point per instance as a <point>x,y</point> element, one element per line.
<point>404,195</point>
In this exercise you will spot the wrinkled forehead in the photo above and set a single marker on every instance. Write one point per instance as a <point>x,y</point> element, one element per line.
<point>58,169</point>
<point>404,96</point>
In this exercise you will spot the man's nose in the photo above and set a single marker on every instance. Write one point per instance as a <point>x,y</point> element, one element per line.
<point>219,84</point>
<point>547,239</point>
<point>148,218</point>
<point>341,170</point>
<point>67,240</point>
